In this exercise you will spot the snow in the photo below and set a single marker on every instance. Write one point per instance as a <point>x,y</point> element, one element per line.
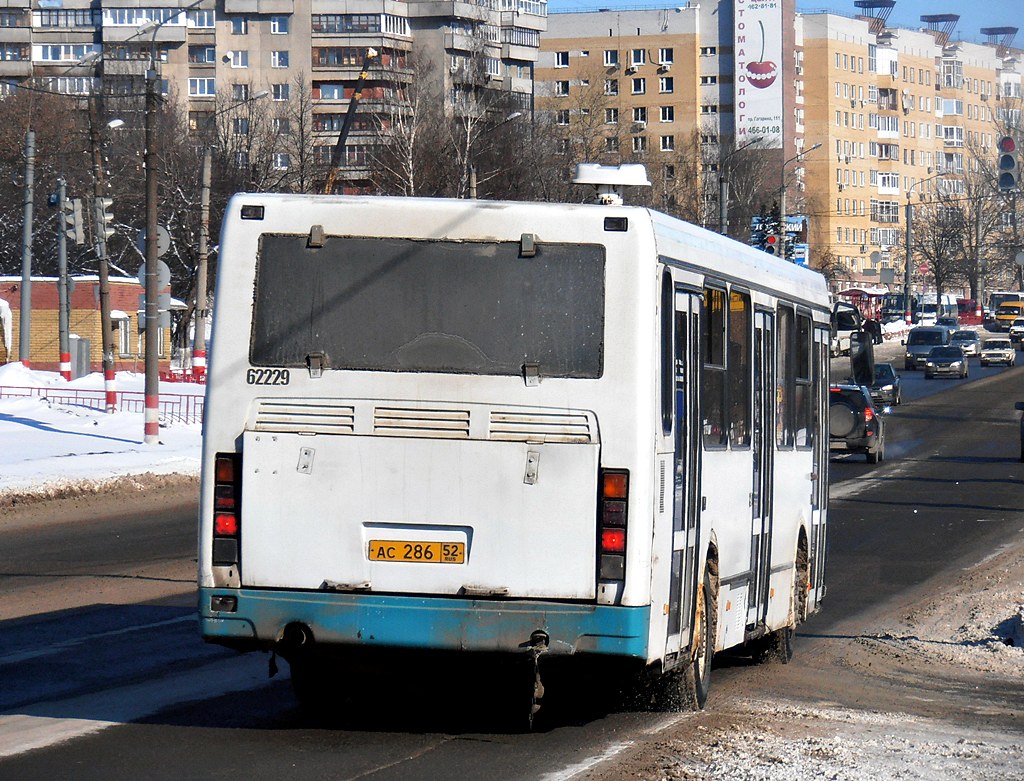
<point>45,446</point>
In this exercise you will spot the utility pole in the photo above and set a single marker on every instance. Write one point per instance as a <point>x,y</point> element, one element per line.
<point>63,326</point>
<point>152,313</point>
<point>908,312</point>
<point>978,305</point>
<point>24,326</point>
<point>199,339</point>
<point>100,236</point>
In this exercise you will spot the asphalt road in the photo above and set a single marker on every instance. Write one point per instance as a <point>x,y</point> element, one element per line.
<point>105,685</point>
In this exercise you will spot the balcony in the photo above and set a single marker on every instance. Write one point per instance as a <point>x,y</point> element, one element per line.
<point>15,68</point>
<point>259,6</point>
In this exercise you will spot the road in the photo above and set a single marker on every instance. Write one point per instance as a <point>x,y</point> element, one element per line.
<point>104,675</point>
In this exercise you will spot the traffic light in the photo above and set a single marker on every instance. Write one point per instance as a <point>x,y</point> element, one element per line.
<point>1009,164</point>
<point>104,218</point>
<point>71,213</point>
<point>772,244</point>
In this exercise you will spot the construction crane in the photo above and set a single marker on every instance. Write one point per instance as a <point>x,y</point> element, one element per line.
<point>339,147</point>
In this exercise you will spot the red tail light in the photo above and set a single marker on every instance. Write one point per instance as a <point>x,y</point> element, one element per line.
<point>869,414</point>
<point>227,518</point>
<point>613,503</point>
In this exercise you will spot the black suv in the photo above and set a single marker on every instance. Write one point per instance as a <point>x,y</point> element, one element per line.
<point>853,423</point>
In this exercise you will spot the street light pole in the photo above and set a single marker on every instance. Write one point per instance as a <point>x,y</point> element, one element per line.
<point>24,326</point>
<point>908,312</point>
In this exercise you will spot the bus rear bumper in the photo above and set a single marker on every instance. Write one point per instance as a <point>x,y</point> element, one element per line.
<point>260,616</point>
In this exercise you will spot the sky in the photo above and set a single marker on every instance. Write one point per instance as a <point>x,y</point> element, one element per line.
<point>974,14</point>
<point>44,447</point>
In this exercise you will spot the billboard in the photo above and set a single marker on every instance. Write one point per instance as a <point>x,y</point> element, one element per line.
<point>757,29</point>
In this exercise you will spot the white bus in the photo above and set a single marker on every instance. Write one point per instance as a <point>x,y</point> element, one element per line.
<point>479,430</point>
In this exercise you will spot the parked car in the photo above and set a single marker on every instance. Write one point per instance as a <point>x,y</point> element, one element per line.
<point>967,341</point>
<point>1017,332</point>
<point>998,349</point>
<point>946,361</point>
<point>948,322</point>
<point>919,343</point>
<point>886,390</point>
<point>854,425</point>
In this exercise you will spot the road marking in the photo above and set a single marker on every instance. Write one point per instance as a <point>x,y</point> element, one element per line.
<point>565,774</point>
<point>580,767</point>
<point>48,723</point>
<point>56,648</point>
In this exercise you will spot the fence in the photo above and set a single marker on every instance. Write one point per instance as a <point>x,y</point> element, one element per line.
<point>180,407</point>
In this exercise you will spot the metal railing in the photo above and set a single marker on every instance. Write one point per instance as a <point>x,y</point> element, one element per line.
<point>178,407</point>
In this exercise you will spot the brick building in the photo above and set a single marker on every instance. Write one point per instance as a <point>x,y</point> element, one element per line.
<point>84,323</point>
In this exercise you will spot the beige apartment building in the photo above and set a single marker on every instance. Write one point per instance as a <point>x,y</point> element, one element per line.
<point>667,85</point>
<point>212,52</point>
<point>899,113</point>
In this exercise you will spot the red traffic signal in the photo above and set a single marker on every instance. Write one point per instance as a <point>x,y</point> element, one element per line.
<point>771,243</point>
<point>1007,145</point>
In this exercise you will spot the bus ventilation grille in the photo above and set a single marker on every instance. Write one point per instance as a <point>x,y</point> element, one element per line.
<point>292,416</point>
<point>434,423</point>
<point>533,427</point>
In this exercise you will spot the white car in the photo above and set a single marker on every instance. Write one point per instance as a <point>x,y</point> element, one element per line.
<point>998,349</point>
<point>1017,331</point>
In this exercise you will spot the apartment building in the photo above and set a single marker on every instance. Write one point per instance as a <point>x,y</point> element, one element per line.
<point>641,85</point>
<point>228,50</point>
<point>897,112</point>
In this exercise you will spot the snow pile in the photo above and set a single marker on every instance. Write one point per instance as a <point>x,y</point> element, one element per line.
<point>48,448</point>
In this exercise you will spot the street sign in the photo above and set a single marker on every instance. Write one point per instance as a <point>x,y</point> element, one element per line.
<point>163,241</point>
<point>163,275</point>
<point>1020,259</point>
<point>876,258</point>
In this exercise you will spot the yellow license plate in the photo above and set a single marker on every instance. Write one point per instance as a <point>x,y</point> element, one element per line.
<point>418,552</point>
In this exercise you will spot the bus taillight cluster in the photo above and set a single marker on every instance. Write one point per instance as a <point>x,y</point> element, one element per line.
<point>613,501</point>
<point>226,508</point>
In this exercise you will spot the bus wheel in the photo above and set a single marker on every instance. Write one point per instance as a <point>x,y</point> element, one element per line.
<point>695,680</point>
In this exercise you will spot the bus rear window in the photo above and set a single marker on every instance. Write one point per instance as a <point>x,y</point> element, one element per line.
<point>429,306</point>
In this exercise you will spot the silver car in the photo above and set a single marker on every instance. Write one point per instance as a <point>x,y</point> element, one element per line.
<point>967,341</point>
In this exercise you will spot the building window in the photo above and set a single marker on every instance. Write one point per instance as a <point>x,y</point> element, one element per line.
<point>202,55</point>
<point>124,336</point>
<point>611,86</point>
<point>667,113</point>
<point>241,159</point>
<point>240,126</point>
<point>239,25</point>
<point>202,20</point>
<point>668,143</point>
<point>639,143</point>
<point>708,51</point>
<point>281,161</point>
<point>611,116</point>
<point>562,117</point>
<point>561,59</point>
<point>665,56</point>
<point>239,59</point>
<point>561,88</point>
<point>640,115</point>
<point>666,84</point>
<point>280,91</point>
<point>706,80</point>
<point>611,145</point>
<point>278,25</point>
<point>239,91</point>
<point>638,57</point>
<point>639,86</point>
<point>201,87</point>
<point>709,108</point>
<point>611,58</point>
<point>279,59</point>
<point>282,126</point>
